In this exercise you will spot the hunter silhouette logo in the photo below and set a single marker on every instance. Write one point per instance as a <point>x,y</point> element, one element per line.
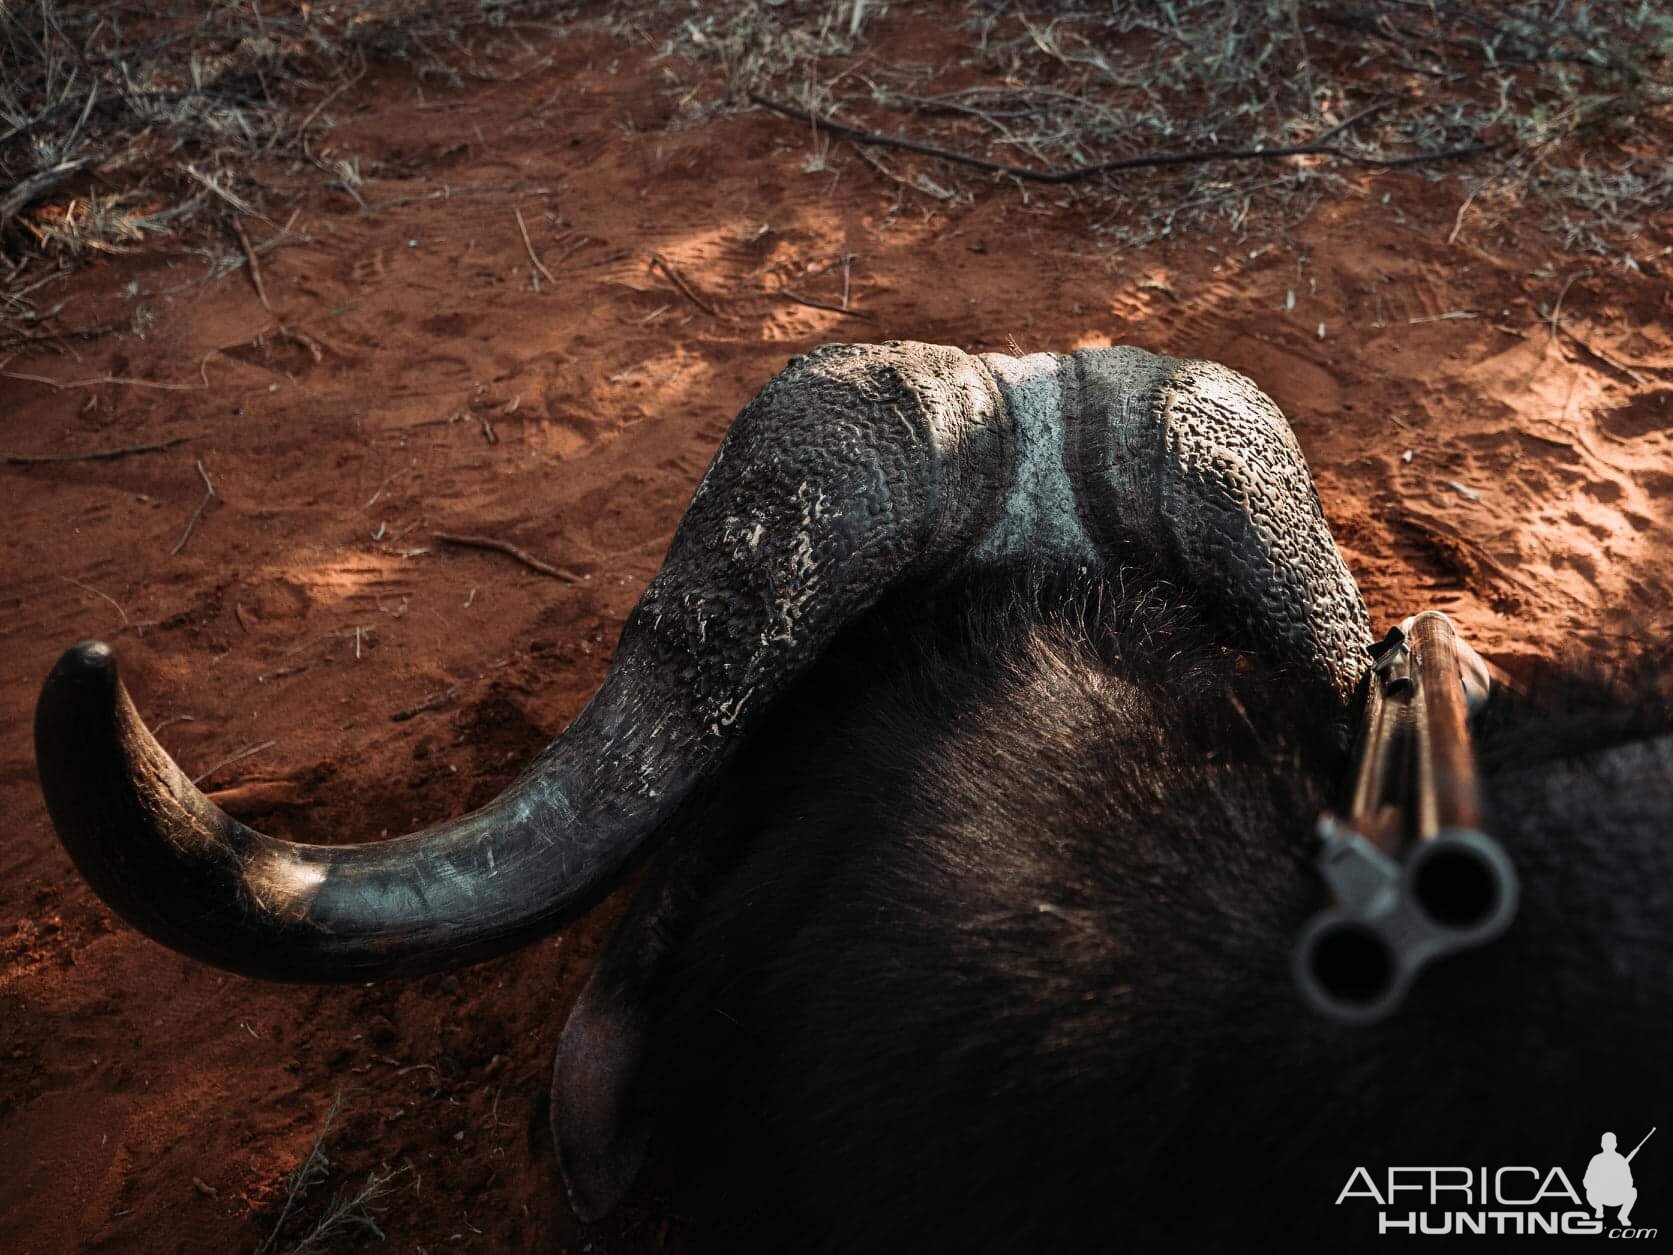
<point>1609,1179</point>
<point>1520,1199</point>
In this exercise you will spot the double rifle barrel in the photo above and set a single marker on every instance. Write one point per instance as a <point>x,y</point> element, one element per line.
<point>1445,794</point>
<point>1415,773</point>
<point>1414,873</point>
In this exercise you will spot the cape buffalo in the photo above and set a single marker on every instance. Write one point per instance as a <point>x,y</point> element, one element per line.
<point>979,718</point>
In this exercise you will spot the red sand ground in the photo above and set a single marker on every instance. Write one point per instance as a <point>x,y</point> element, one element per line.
<point>150,1104</point>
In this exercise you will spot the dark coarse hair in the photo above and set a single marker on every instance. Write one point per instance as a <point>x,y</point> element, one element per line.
<point>990,947</point>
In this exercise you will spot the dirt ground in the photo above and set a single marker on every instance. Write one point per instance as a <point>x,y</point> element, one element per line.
<point>342,675</point>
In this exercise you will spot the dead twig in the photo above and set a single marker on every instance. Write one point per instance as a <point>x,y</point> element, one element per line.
<point>510,551</point>
<point>441,699</point>
<point>534,259</point>
<point>685,288</point>
<point>1606,359</point>
<point>94,455</point>
<point>574,248</point>
<point>61,384</point>
<point>86,588</point>
<point>312,1169</point>
<point>302,130</point>
<point>925,186</point>
<point>429,703</point>
<point>350,1208</point>
<point>1557,309</point>
<point>230,759</point>
<point>1076,173</point>
<point>1353,119</point>
<point>388,480</point>
<point>239,204</point>
<point>254,264</point>
<point>208,496</point>
<point>1458,222</point>
<point>799,299</point>
<point>58,339</point>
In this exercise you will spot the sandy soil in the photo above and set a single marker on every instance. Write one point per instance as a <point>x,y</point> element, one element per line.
<point>411,380</point>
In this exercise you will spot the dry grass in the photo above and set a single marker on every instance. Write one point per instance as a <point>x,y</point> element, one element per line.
<point>1063,85</point>
<point>122,122</point>
<point>350,1210</point>
<point>121,125</point>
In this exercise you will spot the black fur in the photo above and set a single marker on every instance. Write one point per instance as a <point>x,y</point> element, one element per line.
<point>991,951</point>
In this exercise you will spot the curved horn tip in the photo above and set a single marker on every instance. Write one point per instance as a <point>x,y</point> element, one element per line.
<point>86,662</point>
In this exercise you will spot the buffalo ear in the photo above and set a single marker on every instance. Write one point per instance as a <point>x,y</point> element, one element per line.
<point>604,1086</point>
<point>599,1127</point>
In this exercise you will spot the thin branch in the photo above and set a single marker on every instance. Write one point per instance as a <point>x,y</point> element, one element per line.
<point>1351,120</point>
<point>60,385</point>
<point>876,163</point>
<point>95,455</point>
<point>441,699</point>
<point>388,480</point>
<point>797,297</point>
<point>510,551</point>
<point>1607,359</point>
<point>238,203</point>
<point>88,588</point>
<point>307,1173</point>
<point>429,703</point>
<point>533,257</point>
<point>1557,309</point>
<point>255,265</point>
<point>208,496</point>
<point>230,759</point>
<point>1458,222</point>
<point>1076,173</point>
<point>685,288</point>
<point>302,130</point>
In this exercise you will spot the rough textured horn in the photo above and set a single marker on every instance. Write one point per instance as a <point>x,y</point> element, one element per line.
<point>853,472</point>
